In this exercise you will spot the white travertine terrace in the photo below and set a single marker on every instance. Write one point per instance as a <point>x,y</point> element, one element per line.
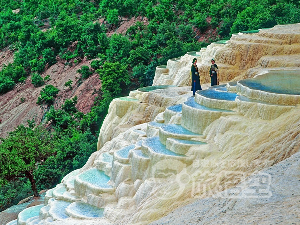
<point>162,149</point>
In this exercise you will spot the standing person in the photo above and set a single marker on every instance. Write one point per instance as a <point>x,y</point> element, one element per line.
<point>213,72</point>
<point>195,77</point>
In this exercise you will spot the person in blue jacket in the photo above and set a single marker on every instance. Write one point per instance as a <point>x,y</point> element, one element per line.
<point>195,77</point>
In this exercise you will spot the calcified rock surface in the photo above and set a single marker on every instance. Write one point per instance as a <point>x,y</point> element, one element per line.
<point>160,149</point>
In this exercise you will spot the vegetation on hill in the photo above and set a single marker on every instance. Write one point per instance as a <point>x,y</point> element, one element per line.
<point>42,32</point>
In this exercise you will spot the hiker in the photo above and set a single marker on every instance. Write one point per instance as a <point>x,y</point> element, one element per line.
<point>195,77</point>
<point>213,72</point>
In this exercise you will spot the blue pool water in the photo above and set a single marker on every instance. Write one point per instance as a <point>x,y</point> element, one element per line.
<point>177,129</point>
<point>152,88</point>
<point>123,153</point>
<point>128,99</point>
<point>58,208</point>
<point>221,89</point>
<point>155,145</point>
<point>281,82</point>
<point>190,142</point>
<point>96,178</point>
<point>156,124</point>
<point>30,212</point>
<point>191,102</point>
<point>175,108</point>
<point>212,93</point>
<point>86,210</point>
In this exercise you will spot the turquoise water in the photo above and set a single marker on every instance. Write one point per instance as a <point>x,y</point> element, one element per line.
<point>152,88</point>
<point>190,142</point>
<point>250,31</point>
<point>60,191</point>
<point>177,129</point>
<point>156,124</point>
<point>86,210</point>
<point>222,42</point>
<point>123,153</point>
<point>193,53</point>
<point>96,178</point>
<point>128,99</point>
<point>58,208</point>
<point>155,145</point>
<point>221,89</point>
<point>30,212</point>
<point>281,82</point>
<point>175,108</point>
<point>212,93</point>
<point>191,102</point>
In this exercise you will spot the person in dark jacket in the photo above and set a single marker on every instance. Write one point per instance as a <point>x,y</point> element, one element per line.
<point>213,72</point>
<point>195,77</point>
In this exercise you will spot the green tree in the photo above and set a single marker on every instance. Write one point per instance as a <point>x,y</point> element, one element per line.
<point>37,80</point>
<point>6,84</point>
<point>113,17</point>
<point>21,153</point>
<point>114,77</point>
<point>119,48</point>
<point>47,95</point>
<point>85,72</point>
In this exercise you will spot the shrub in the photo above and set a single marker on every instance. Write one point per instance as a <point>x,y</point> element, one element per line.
<point>47,95</point>
<point>85,72</point>
<point>69,84</point>
<point>37,80</point>
<point>6,84</point>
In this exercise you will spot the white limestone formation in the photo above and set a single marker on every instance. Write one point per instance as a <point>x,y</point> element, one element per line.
<point>159,148</point>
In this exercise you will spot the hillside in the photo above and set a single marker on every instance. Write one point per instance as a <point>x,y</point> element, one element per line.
<point>227,155</point>
<point>73,71</point>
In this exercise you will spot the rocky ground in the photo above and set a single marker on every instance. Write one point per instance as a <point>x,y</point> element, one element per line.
<point>269,197</point>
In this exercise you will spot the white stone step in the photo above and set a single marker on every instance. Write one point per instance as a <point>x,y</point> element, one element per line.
<point>253,108</point>
<point>122,154</point>
<point>101,200</point>
<point>57,209</point>
<point>68,180</point>
<point>172,111</point>
<point>13,222</point>
<point>29,213</point>
<point>276,87</point>
<point>216,98</point>
<point>92,181</point>
<point>158,152</point>
<point>120,172</point>
<point>82,210</point>
<point>197,117</point>
<point>159,118</point>
<point>33,221</point>
<point>153,128</point>
<point>104,163</point>
<point>44,212</point>
<point>182,146</point>
<point>48,195</point>
<point>176,131</point>
<point>139,164</point>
